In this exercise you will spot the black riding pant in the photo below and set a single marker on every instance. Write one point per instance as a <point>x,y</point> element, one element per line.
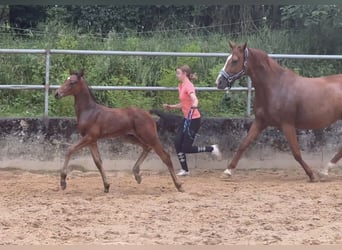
<point>185,138</point>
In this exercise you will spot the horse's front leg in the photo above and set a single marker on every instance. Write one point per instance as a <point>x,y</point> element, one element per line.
<point>73,149</point>
<point>256,128</point>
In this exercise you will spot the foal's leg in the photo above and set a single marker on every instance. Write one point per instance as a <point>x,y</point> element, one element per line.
<point>256,128</point>
<point>146,149</point>
<point>74,148</point>
<point>98,162</point>
<point>290,134</point>
<point>136,168</point>
<point>148,135</point>
<point>165,157</point>
<point>332,163</point>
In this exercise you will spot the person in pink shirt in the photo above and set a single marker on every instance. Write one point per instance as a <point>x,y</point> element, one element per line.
<point>186,133</point>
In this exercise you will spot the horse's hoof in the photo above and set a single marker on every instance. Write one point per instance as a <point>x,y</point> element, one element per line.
<point>180,189</point>
<point>228,172</point>
<point>322,173</point>
<point>313,179</point>
<point>138,178</point>
<point>106,188</point>
<point>63,185</point>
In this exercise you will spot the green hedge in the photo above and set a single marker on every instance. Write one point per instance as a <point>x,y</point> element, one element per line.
<point>136,70</point>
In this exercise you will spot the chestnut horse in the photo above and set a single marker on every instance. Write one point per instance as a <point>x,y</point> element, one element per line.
<point>283,99</point>
<point>95,121</point>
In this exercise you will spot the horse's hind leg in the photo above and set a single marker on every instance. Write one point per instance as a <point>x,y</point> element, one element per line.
<point>136,168</point>
<point>165,157</point>
<point>290,134</point>
<point>147,135</point>
<point>332,163</point>
<point>146,149</point>
<point>73,149</point>
<point>98,162</point>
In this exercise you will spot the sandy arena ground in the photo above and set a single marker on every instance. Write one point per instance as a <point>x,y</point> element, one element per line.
<point>255,207</point>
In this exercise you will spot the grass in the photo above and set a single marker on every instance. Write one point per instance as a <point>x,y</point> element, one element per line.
<point>137,70</point>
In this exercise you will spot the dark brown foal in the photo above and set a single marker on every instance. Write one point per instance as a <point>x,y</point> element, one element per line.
<point>96,121</point>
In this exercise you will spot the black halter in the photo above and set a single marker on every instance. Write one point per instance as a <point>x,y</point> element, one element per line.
<point>232,78</point>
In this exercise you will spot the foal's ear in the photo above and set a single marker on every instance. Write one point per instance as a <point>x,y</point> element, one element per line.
<point>71,72</point>
<point>81,73</point>
<point>232,44</point>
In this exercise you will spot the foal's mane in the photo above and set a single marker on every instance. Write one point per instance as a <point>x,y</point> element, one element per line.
<point>80,76</point>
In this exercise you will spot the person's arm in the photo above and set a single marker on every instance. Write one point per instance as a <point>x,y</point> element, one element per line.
<point>172,106</point>
<point>194,100</point>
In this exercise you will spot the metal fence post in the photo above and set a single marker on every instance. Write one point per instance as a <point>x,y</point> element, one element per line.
<point>249,96</point>
<point>47,84</point>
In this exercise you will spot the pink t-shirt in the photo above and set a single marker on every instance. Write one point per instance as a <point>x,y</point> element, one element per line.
<point>185,89</point>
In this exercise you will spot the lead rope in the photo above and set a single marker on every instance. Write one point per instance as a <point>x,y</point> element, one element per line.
<point>187,123</point>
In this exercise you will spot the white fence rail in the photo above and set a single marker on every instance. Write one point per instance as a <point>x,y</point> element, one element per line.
<point>48,53</point>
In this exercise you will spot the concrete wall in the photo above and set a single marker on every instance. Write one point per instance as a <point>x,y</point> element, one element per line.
<point>41,144</point>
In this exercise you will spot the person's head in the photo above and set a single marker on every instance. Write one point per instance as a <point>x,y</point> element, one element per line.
<point>183,72</point>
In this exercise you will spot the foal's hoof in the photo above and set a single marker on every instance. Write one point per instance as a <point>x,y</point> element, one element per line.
<point>138,178</point>
<point>180,188</point>
<point>63,185</point>
<point>106,188</point>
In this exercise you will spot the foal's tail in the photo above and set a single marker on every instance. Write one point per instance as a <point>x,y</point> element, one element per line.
<point>167,121</point>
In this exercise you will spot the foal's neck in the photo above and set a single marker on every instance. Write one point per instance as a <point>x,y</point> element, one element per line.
<point>84,101</point>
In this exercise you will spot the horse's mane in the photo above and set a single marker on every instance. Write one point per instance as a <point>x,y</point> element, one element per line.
<point>266,61</point>
<point>89,89</point>
<point>91,94</point>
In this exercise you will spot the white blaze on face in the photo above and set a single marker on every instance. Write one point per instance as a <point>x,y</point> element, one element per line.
<point>225,66</point>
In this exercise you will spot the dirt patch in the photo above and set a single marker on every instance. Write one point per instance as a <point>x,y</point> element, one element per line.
<point>255,207</point>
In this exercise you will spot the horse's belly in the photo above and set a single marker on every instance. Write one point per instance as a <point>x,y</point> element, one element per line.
<point>316,122</point>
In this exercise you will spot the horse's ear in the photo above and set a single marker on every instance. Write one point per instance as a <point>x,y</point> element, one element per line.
<point>71,72</point>
<point>81,73</point>
<point>244,46</point>
<point>232,44</point>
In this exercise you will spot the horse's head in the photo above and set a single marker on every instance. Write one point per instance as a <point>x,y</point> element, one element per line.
<point>71,85</point>
<point>234,67</point>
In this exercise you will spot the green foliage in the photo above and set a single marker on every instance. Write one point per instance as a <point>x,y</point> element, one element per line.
<point>322,22</point>
<point>304,30</point>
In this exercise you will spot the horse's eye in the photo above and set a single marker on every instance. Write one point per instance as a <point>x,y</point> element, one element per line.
<point>235,61</point>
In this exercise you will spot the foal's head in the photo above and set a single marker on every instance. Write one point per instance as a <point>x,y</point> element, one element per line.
<point>234,67</point>
<point>71,85</point>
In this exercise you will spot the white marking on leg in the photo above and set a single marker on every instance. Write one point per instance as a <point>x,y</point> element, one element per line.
<point>228,172</point>
<point>327,167</point>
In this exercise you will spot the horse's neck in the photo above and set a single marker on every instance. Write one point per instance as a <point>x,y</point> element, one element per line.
<point>83,102</point>
<point>264,72</point>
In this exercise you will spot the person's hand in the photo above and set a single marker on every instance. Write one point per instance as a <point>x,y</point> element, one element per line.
<point>167,106</point>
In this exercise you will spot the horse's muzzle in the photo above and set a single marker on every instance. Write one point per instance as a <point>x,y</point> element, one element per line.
<point>58,95</point>
<point>222,83</point>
